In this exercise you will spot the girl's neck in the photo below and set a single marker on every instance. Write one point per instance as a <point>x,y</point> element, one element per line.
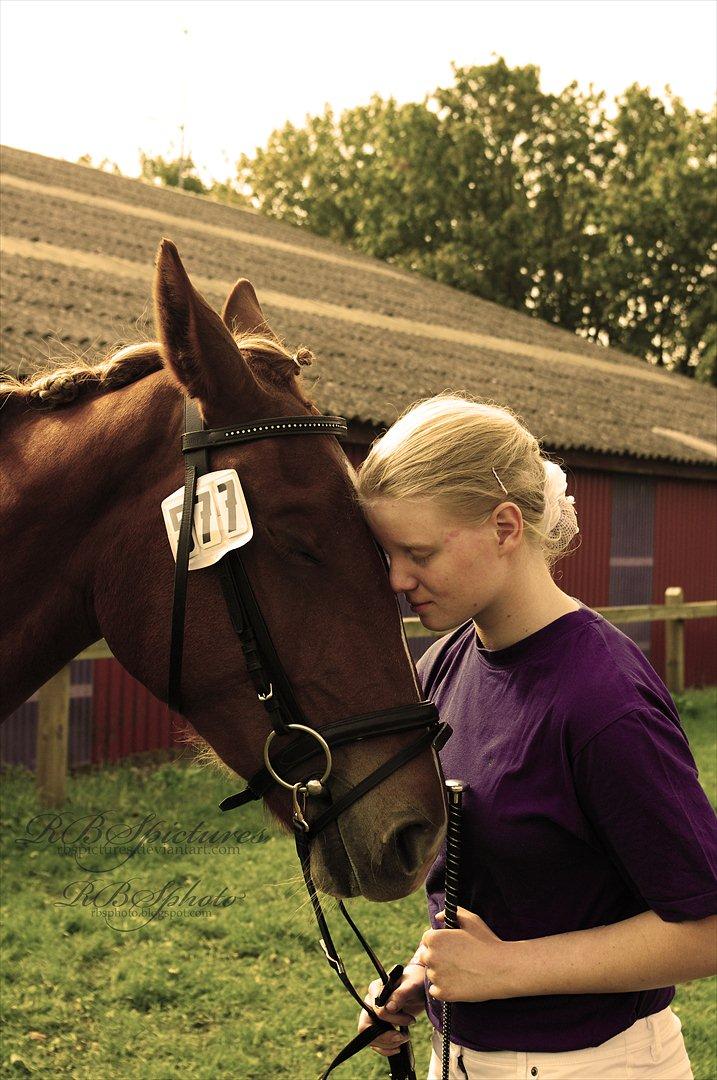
<point>532,602</point>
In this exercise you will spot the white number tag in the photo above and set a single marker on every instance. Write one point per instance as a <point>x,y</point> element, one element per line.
<point>221,518</point>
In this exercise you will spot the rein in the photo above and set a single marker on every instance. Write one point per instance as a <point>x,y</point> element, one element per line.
<point>274,690</point>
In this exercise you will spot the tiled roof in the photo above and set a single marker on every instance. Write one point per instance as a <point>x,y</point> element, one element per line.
<point>78,251</point>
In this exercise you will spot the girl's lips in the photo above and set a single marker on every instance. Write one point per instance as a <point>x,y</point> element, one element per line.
<point>418,607</point>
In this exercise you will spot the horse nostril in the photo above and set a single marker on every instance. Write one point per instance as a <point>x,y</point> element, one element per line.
<point>412,844</point>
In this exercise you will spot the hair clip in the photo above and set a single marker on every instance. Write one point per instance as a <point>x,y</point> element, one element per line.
<point>495,474</point>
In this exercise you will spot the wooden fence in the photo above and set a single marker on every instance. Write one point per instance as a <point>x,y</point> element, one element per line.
<point>54,697</point>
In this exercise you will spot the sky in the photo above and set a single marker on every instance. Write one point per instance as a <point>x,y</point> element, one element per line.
<point>110,77</point>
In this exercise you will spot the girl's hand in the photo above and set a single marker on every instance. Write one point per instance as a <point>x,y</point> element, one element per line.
<point>469,964</point>
<point>405,1003</point>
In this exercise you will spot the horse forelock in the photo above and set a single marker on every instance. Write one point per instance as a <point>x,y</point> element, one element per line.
<point>273,365</point>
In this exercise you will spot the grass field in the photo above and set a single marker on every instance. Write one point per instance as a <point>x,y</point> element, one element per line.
<point>242,992</point>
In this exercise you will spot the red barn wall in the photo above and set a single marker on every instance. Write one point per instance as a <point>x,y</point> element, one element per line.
<point>127,717</point>
<point>686,555</point>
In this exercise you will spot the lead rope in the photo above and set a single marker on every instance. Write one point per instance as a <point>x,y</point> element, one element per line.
<point>400,1064</point>
<point>455,790</point>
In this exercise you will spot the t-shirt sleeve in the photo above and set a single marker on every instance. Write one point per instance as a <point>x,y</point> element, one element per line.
<point>637,784</point>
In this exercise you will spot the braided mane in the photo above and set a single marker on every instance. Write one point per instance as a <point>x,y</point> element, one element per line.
<point>65,381</point>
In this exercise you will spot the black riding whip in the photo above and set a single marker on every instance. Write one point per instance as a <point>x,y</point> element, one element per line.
<point>455,789</point>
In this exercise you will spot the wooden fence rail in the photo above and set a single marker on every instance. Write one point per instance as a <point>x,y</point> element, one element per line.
<point>54,697</point>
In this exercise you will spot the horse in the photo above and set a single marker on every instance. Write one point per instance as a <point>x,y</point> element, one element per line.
<point>88,455</point>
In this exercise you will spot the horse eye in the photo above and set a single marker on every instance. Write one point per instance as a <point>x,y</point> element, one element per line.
<point>307,557</point>
<point>286,544</point>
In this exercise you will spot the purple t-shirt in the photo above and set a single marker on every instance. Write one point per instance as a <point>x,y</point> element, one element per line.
<point>584,809</point>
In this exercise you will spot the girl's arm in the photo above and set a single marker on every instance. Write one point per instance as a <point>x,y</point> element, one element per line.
<point>641,953</point>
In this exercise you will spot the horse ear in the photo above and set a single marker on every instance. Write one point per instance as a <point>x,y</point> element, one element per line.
<point>242,312</point>
<point>196,345</point>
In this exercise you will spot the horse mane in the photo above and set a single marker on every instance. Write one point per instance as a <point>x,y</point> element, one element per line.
<point>63,382</point>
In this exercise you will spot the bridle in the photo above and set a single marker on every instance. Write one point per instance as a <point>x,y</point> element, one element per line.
<point>276,694</point>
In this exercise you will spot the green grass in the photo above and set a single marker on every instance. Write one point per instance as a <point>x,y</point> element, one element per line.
<point>244,993</point>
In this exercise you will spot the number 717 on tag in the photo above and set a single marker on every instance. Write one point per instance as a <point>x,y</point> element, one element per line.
<point>221,518</point>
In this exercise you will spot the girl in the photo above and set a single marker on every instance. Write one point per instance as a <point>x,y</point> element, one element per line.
<point>589,863</point>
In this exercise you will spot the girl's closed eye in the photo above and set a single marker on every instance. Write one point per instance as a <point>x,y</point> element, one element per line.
<point>421,560</point>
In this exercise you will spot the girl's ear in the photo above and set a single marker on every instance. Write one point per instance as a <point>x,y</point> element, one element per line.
<point>508,525</point>
<point>196,345</point>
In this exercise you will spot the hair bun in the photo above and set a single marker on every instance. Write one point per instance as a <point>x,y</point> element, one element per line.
<point>556,484</point>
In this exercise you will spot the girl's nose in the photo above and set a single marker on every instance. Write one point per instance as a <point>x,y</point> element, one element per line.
<point>401,578</point>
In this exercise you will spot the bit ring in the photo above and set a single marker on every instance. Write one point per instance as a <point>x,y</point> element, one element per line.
<point>309,731</point>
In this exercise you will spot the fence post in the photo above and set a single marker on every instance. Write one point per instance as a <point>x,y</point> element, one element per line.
<point>52,735</point>
<point>675,644</point>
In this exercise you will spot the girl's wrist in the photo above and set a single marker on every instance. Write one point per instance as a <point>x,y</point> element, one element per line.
<point>513,962</point>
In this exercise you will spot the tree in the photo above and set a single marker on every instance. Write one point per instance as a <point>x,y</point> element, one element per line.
<point>105,165</point>
<point>537,201</point>
<point>178,172</point>
<point>227,192</point>
<point>658,215</point>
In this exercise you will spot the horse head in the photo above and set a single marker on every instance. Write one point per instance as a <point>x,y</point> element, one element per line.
<point>314,569</point>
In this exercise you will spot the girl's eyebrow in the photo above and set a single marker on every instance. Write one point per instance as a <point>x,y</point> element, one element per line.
<point>417,547</point>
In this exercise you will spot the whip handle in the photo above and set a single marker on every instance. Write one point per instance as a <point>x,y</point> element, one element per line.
<point>455,789</point>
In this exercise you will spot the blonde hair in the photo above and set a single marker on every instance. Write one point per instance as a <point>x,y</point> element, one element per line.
<point>470,456</point>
